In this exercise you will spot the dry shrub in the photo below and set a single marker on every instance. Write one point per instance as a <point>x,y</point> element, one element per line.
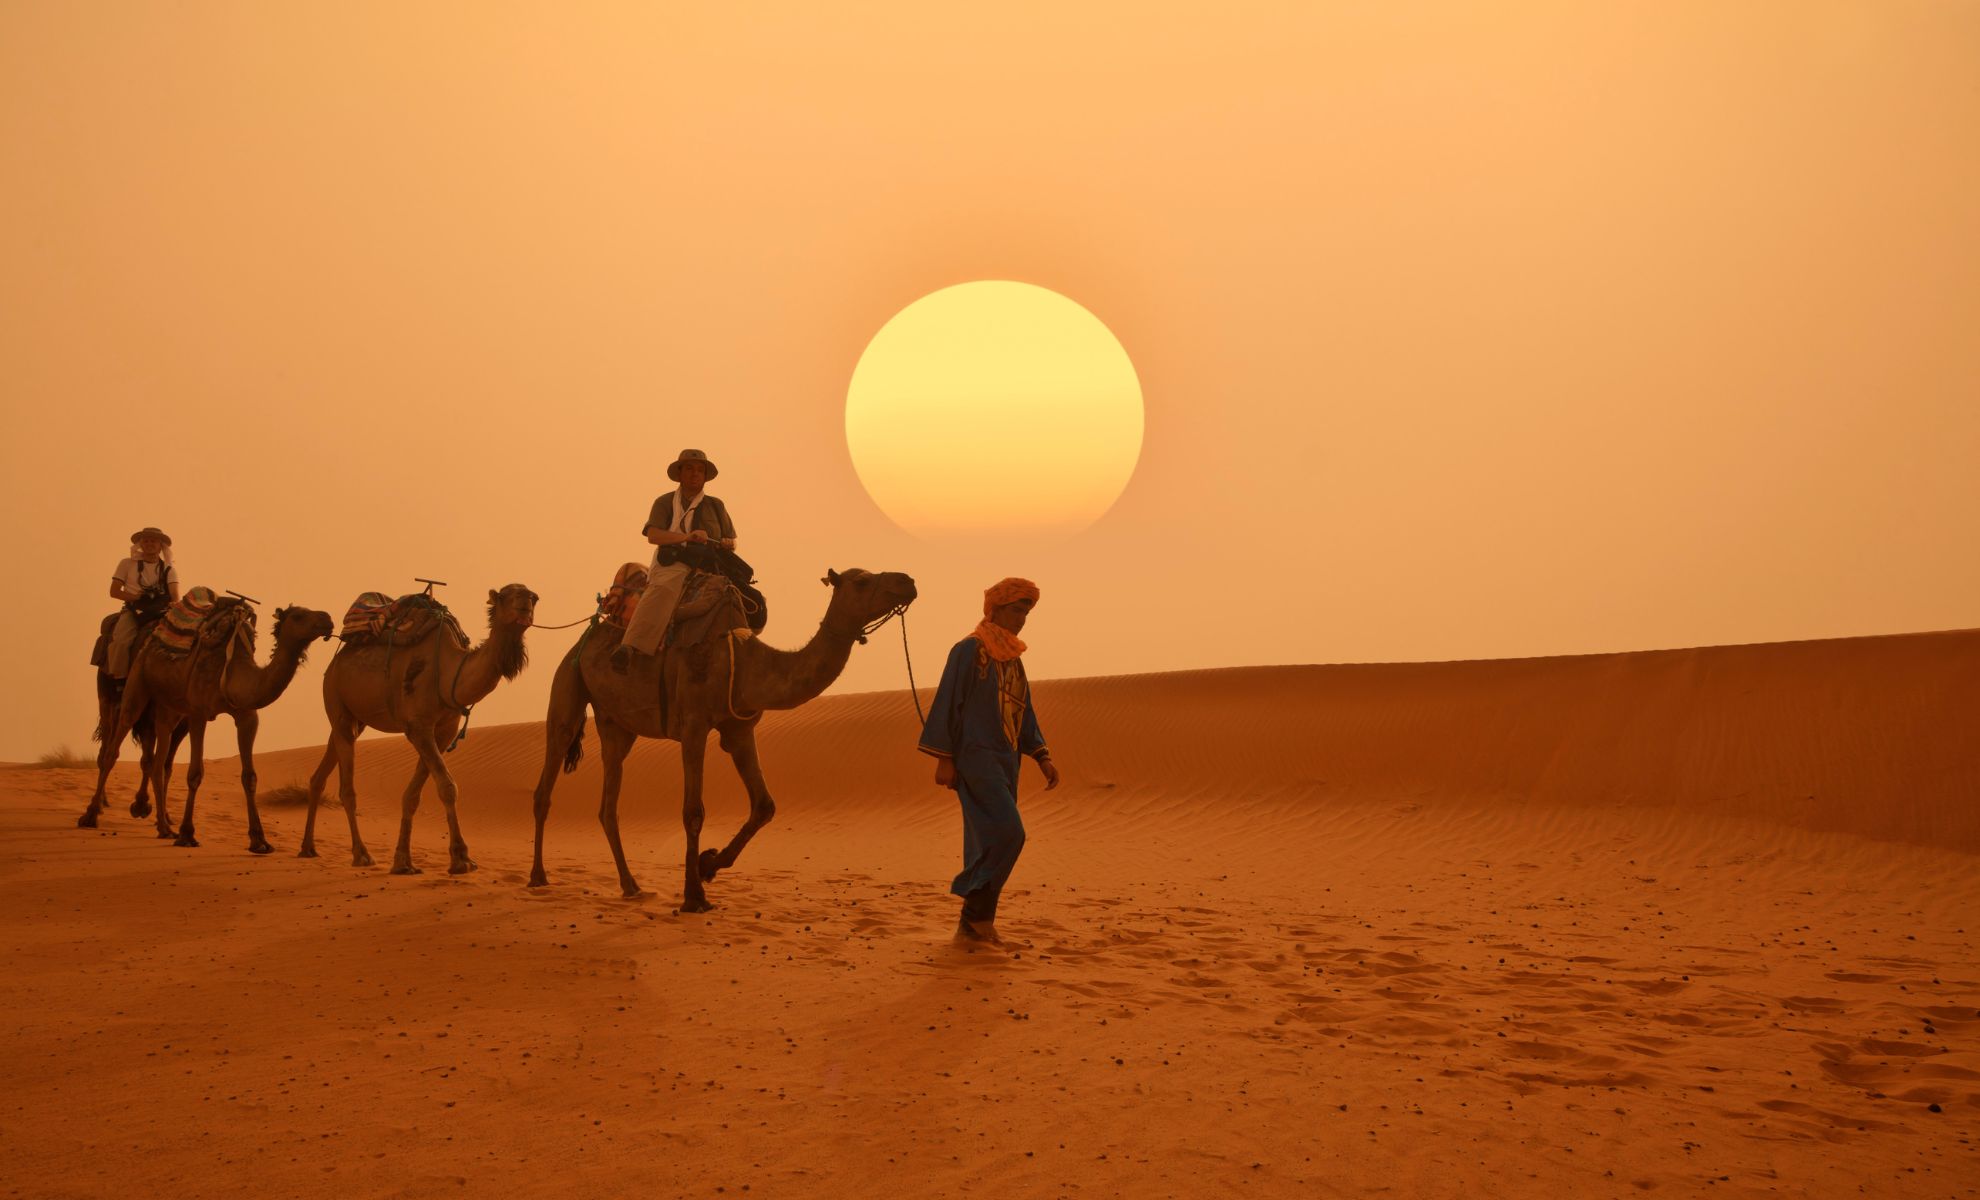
<point>294,794</point>
<point>62,756</point>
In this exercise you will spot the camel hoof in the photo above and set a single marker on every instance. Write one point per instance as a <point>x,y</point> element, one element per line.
<point>406,869</point>
<point>699,904</point>
<point>166,831</point>
<point>306,852</point>
<point>260,848</point>
<point>636,892</point>
<point>187,840</point>
<point>86,821</point>
<point>361,859</point>
<point>140,808</point>
<point>709,863</point>
<point>537,879</point>
<point>463,867</point>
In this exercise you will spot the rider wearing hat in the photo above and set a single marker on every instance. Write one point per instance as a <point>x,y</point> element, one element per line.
<point>145,581</point>
<point>687,514</point>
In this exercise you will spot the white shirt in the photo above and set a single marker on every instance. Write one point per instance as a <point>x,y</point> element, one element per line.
<point>136,574</point>
<point>683,513</point>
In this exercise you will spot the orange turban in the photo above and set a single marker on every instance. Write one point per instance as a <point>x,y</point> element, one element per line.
<point>1002,644</point>
<point>1005,591</point>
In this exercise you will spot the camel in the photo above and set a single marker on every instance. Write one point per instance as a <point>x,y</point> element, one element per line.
<point>422,689</point>
<point>218,677</point>
<point>724,685</point>
<point>109,699</point>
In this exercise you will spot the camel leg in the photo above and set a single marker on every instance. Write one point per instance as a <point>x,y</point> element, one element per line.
<point>694,749</point>
<point>544,783</point>
<point>195,773</point>
<point>141,803</point>
<point>562,725</point>
<point>141,807</point>
<point>344,745</point>
<point>458,862</point>
<point>741,744</point>
<point>162,722</point>
<point>402,863</point>
<point>106,759</point>
<point>615,741</point>
<point>317,779</point>
<point>245,725</point>
<point>118,726</point>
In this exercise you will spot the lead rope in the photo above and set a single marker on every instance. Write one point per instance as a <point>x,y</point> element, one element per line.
<point>227,656</point>
<point>736,635</point>
<point>453,702</point>
<point>566,625</point>
<point>901,612</point>
<point>909,659</point>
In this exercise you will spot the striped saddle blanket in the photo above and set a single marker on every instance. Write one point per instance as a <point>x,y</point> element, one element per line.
<point>622,598</point>
<point>377,617</point>
<point>200,617</point>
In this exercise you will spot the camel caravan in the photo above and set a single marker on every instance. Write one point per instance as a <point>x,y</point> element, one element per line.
<point>167,665</point>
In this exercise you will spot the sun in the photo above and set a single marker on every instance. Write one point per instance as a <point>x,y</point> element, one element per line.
<point>994,408</point>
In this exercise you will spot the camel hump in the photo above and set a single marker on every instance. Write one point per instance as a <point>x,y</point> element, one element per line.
<point>365,618</point>
<point>197,616</point>
<point>377,617</point>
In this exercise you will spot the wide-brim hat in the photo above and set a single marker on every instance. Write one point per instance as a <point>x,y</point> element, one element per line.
<point>154,531</point>
<point>688,456</point>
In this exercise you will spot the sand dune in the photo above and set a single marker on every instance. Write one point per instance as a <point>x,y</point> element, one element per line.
<point>1857,735</point>
<point>1673,922</point>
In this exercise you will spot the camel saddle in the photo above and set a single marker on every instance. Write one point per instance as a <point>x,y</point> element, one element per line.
<point>199,618</point>
<point>376,618</point>
<point>711,604</point>
<point>710,607</point>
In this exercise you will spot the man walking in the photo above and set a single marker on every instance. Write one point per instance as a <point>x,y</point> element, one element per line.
<point>979,728</point>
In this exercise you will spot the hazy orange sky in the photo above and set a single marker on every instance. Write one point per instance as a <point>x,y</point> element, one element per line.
<point>1479,330</point>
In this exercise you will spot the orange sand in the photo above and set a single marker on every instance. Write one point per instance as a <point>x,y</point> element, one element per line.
<point>1684,923</point>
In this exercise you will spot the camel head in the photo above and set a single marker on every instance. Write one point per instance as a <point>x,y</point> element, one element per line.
<point>299,626</point>
<point>859,598</point>
<point>512,611</point>
<point>514,606</point>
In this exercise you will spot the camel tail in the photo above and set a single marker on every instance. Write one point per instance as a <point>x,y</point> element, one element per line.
<point>576,749</point>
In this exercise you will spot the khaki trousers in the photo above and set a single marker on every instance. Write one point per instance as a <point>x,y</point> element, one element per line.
<point>120,645</point>
<point>656,607</point>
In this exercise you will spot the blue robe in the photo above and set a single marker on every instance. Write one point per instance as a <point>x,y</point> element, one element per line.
<point>983,719</point>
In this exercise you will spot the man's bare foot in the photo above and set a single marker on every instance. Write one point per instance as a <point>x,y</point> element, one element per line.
<point>977,933</point>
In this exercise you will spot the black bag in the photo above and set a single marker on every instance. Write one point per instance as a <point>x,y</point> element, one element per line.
<point>709,557</point>
<point>150,604</point>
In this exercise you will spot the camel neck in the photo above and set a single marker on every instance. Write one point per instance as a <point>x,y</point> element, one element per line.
<point>248,684</point>
<point>772,678</point>
<point>498,657</point>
